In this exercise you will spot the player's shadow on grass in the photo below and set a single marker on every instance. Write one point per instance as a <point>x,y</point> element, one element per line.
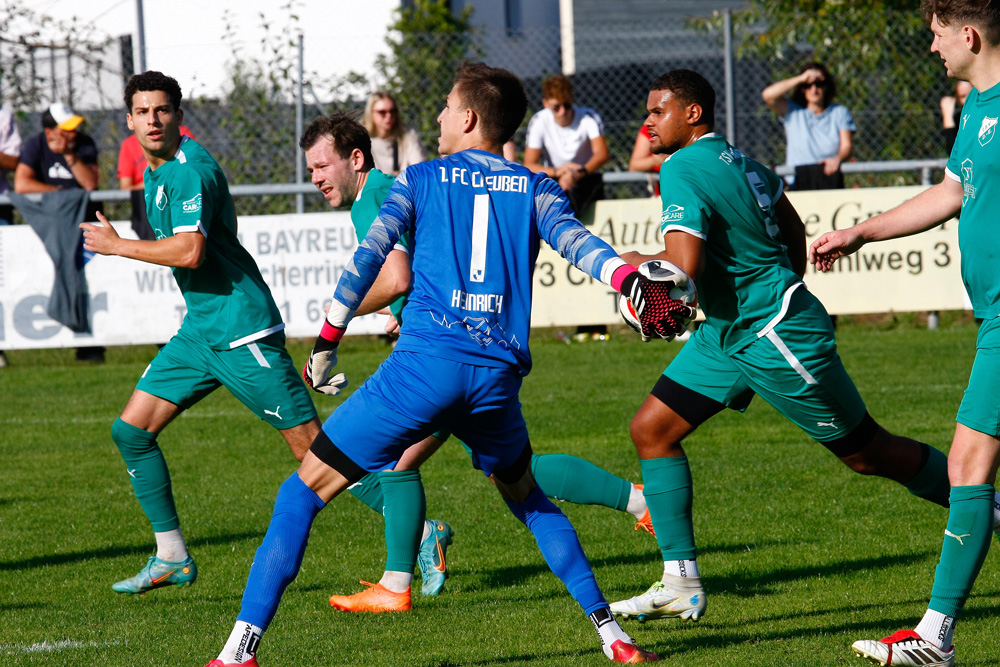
<point>750,584</point>
<point>116,552</point>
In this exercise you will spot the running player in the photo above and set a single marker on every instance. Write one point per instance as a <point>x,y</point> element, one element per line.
<point>339,159</point>
<point>727,223</point>
<point>476,222</point>
<point>232,332</point>
<point>967,37</point>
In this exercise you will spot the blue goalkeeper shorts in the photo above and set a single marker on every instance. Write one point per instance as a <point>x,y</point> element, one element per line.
<point>413,395</point>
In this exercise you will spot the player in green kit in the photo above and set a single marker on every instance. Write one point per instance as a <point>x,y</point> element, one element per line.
<point>967,37</point>
<point>727,224</point>
<point>338,156</point>
<point>232,334</point>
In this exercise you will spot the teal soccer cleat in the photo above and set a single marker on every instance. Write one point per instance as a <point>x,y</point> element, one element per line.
<point>433,568</point>
<point>157,574</point>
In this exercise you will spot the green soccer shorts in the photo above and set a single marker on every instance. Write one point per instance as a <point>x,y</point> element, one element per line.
<point>980,408</point>
<point>794,367</point>
<point>260,374</point>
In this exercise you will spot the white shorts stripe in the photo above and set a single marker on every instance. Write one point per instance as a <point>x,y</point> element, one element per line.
<point>258,355</point>
<point>789,357</point>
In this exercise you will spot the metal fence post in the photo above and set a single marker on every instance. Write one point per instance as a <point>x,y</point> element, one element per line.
<point>300,203</point>
<point>727,16</point>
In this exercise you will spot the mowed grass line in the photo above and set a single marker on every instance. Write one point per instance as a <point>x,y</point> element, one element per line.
<point>800,557</point>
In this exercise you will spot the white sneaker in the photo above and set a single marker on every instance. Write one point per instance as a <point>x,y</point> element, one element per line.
<point>664,601</point>
<point>905,649</point>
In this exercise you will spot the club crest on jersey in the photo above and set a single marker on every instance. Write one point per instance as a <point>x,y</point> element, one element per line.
<point>987,130</point>
<point>193,204</point>
<point>672,213</point>
<point>161,198</point>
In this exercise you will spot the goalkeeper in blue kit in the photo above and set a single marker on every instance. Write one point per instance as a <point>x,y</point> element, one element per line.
<point>476,222</point>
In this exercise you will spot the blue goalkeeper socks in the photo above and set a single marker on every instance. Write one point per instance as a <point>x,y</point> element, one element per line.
<point>277,561</point>
<point>561,548</point>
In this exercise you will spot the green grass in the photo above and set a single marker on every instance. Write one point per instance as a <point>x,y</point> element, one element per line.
<point>800,557</point>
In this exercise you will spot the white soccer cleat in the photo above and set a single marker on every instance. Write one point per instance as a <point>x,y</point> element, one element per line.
<point>904,649</point>
<point>663,601</point>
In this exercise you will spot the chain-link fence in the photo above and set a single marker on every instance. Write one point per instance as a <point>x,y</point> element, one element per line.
<point>891,86</point>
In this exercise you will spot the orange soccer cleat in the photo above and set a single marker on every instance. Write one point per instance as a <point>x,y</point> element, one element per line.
<point>376,598</point>
<point>630,654</point>
<point>645,523</point>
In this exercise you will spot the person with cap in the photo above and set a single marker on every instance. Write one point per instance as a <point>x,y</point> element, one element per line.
<point>61,157</point>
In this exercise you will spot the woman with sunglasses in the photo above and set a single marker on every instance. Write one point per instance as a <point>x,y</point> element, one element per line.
<point>394,145</point>
<point>819,133</point>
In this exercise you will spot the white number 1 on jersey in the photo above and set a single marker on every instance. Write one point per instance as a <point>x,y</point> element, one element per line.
<point>480,229</point>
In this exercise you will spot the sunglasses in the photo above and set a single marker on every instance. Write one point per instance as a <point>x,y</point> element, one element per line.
<point>817,84</point>
<point>386,112</point>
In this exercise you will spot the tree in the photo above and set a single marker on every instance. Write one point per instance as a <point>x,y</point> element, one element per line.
<point>426,44</point>
<point>877,50</point>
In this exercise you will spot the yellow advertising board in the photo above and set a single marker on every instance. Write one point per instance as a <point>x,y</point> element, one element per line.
<point>916,273</point>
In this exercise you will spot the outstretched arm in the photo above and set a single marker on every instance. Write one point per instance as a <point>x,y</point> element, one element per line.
<point>184,250</point>
<point>930,208</point>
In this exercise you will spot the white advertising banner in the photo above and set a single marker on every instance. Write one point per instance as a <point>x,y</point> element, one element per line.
<point>302,256</point>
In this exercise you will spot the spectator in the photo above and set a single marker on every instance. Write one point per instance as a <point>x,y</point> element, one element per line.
<point>10,149</point>
<point>951,112</point>
<point>61,157</point>
<point>819,134</point>
<point>567,143</point>
<point>131,166</point>
<point>644,160</point>
<point>394,146</point>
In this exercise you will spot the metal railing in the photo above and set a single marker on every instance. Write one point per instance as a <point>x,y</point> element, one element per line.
<point>925,167</point>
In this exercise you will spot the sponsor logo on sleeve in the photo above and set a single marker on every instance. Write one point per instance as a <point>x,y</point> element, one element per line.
<point>193,204</point>
<point>672,213</point>
<point>987,130</point>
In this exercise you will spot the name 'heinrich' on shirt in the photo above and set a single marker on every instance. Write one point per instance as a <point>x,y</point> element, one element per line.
<point>480,303</point>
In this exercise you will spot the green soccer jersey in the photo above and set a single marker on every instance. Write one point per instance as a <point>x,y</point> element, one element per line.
<point>228,302</point>
<point>975,163</point>
<point>710,189</point>
<point>365,209</point>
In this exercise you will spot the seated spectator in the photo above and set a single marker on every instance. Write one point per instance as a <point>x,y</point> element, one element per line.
<point>394,146</point>
<point>644,160</point>
<point>951,112</point>
<point>61,157</point>
<point>131,167</point>
<point>567,143</point>
<point>819,134</point>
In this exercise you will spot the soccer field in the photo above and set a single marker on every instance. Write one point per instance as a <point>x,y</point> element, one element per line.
<point>799,556</point>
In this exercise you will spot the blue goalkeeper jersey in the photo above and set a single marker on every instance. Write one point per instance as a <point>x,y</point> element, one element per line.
<point>476,221</point>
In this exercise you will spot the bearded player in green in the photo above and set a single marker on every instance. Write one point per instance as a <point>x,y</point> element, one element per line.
<point>338,156</point>
<point>727,224</point>
<point>232,334</point>
<point>967,38</point>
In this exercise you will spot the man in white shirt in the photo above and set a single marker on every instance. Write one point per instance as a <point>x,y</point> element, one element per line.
<point>567,143</point>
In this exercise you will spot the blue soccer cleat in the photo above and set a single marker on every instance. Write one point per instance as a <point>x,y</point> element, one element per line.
<point>433,568</point>
<point>157,574</point>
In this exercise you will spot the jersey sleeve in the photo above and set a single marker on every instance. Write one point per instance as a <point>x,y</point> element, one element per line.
<point>31,156</point>
<point>682,208</point>
<point>191,202</point>
<point>394,220</point>
<point>592,125</point>
<point>574,242</point>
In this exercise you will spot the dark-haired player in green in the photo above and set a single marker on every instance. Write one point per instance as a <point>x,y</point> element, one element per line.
<point>726,223</point>
<point>967,38</point>
<point>232,334</point>
<point>338,156</point>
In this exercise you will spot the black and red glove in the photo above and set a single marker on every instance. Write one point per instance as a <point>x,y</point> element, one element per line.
<point>648,291</point>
